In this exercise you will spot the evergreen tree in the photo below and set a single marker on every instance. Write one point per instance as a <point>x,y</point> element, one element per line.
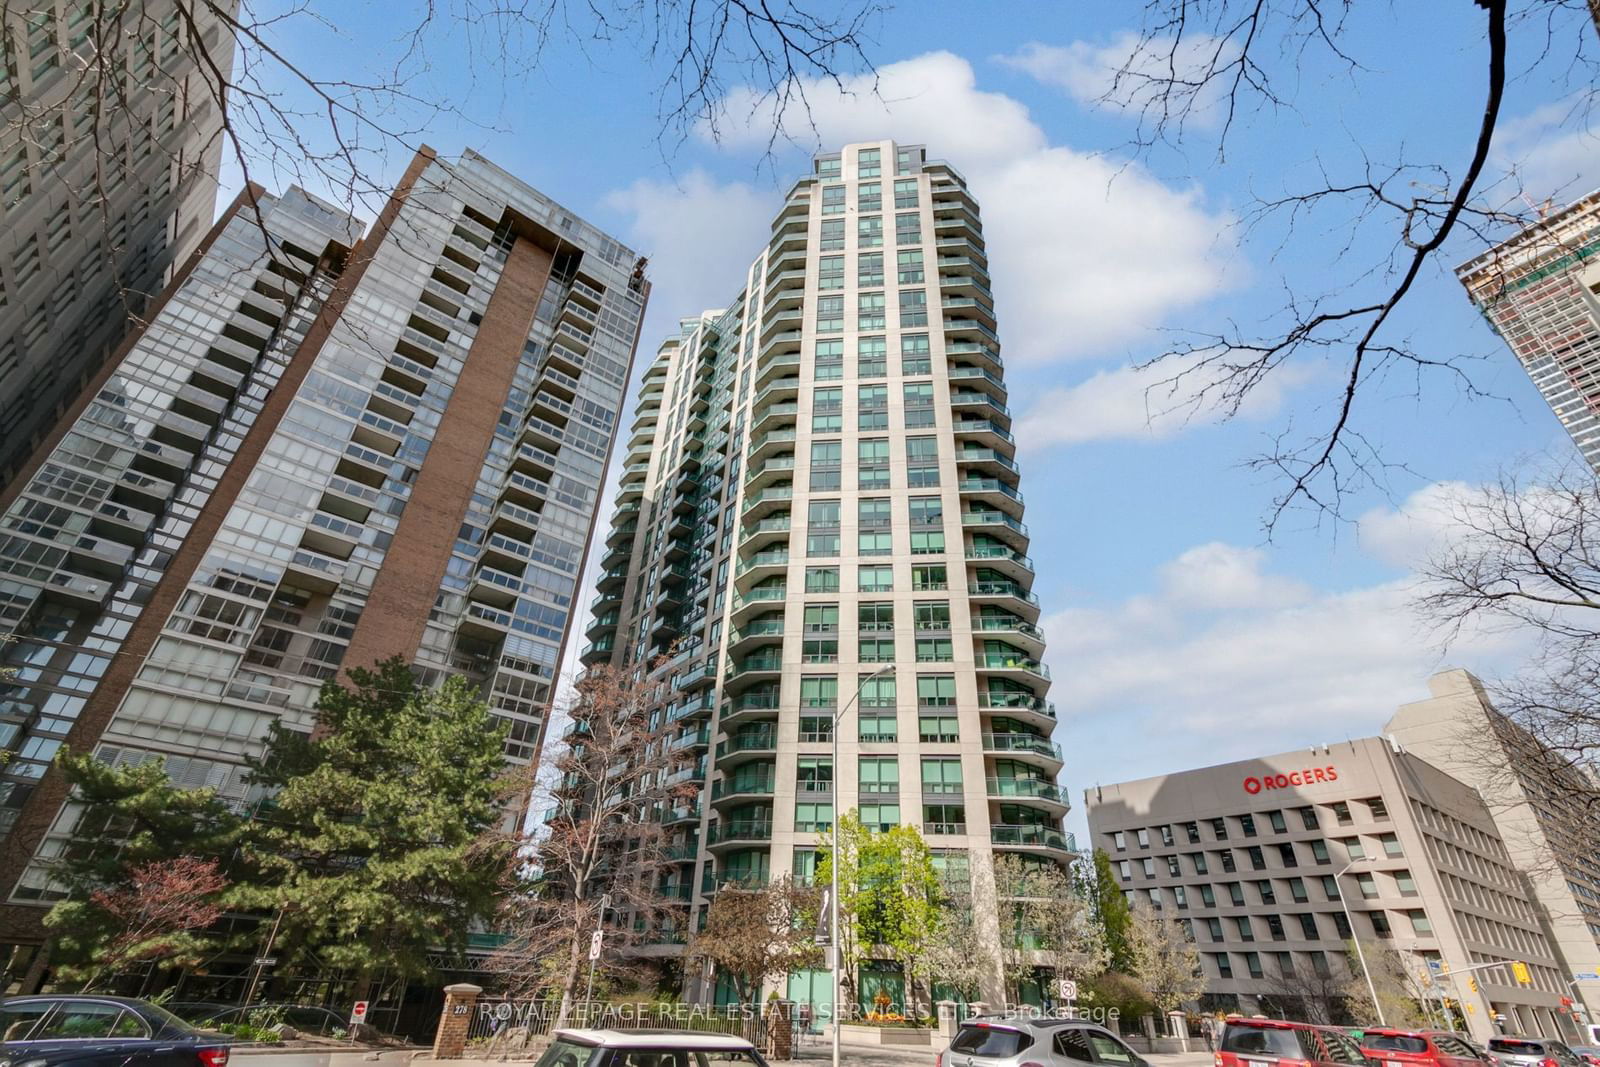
<point>1111,912</point>
<point>372,840</point>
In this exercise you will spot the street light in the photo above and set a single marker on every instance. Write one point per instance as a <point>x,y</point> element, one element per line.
<point>1362,956</point>
<point>834,899</point>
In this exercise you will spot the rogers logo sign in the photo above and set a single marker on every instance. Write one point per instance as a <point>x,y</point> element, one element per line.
<point>1254,785</point>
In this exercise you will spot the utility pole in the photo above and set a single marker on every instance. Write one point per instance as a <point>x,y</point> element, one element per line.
<point>1360,955</point>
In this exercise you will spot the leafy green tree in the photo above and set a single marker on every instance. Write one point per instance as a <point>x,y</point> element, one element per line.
<point>1045,921</point>
<point>1111,912</point>
<point>901,898</point>
<point>375,843</point>
<point>954,953</point>
<point>853,945</point>
<point>134,834</point>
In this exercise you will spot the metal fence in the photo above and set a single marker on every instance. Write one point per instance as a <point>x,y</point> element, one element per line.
<point>505,1027</point>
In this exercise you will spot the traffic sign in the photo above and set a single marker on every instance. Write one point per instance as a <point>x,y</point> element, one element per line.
<point>1586,976</point>
<point>358,1013</point>
<point>595,940</point>
<point>1436,966</point>
<point>1067,989</point>
<point>1520,972</point>
<point>266,961</point>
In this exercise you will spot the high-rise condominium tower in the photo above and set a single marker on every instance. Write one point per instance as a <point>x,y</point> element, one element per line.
<point>337,451</point>
<point>819,499</point>
<point>110,137</point>
<point>1540,291</point>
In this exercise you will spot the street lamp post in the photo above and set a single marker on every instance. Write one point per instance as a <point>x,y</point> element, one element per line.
<point>833,902</point>
<point>1360,955</point>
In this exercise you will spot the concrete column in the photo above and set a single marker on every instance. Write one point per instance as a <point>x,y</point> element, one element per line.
<point>450,1040</point>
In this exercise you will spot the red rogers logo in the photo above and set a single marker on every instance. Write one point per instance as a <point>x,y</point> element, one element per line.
<point>1254,785</point>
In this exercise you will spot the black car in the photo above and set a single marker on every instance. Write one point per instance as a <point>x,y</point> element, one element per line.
<point>95,1031</point>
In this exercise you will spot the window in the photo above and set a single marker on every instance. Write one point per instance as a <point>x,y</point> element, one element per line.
<point>821,618</point>
<point>1268,895</point>
<point>880,817</point>
<point>833,200</point>
<point>918,404</point>
<point>1391,845</point>
<point>822,528</point>
<point>869,312</point>
<point>1380,924</point>
<point>879,774</point>
<point>937,728</point>
<point>1308,818</point>
<point>1297,890</point>
<point>1308,926</point>
<point>1224,968</point>
<point>1419,923</point>
<point>1246,931</point>
<point>1236,894</point>
<point>869,196</point>
<point>819,691</point>
<point>909,263</point>
<point>1181,895</point>
<point>913,308</point>
<point>1405,883</point>
<point>1341,925</point>
<point>1252,962</point>
<point>875,579</point>
<point>1199,861</point>
<point>872,407</point>
<point>1275,928</point>
<point>869,269</point>
<point>1258,862</point>
<point>1173,870</point>
<point>814,774</point>
<point>1192,830</point>
<point>876,650</point>
<point>872,519</point>
<point>832,235</point>
<point>1319,851</point>
<point>1208,896</point>
<point>905,193</point>
<point>822,579</point>
<point>1380,810</point>
<point>815,728</point>
<point>935,650</point>
<point>872,357</point>
<point>1353,848</point>
<point>830,272</point>
<point>1148,866</point>
<point>813,817</point>
<point>829,168</point>
<point>941,776</point>
<point>1286,854</point>
<point>1119,841</point>
<point>868,162</point>
<point>1330,888</point>
<point>936,691</point>
<point>907,229</point>
<point>1367,884</point>
<point>1247,825</point>
<point>1341,812</point>
<point>1219,829</point>
<point>876,729</point>
<point>829,363</point>
<point>1276,819</point>
<point>1228,865</point>
<point>927,542</point>
<point>869,231</point>
<point>826,472</point>
<point>830,315</point>
<point>928,579</point>
<point>915,355</point>
<point>1214,929</point>
<point>872,463</point>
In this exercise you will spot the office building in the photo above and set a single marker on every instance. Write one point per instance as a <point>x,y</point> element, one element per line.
<point>110,139</point>
<point>1538,800</point>
<point>820,498</point>
<point>1276,864</point>
<point>344,449</point>
<point>1539,292</point>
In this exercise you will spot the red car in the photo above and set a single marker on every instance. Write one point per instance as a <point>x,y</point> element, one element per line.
<point>1275,1043</point>
<point>1425,1048</point>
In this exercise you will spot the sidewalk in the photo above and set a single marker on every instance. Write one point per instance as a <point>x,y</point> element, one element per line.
<point>876,1056</point>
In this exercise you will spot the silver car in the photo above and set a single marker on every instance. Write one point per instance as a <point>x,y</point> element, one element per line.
<point>1011,1042</point>
<point>1533,1052</point>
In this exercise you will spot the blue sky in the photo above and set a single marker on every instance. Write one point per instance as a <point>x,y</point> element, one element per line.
<point>1179,634</point>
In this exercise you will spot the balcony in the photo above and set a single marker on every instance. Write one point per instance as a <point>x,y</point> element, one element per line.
<point>769,444</point>
<point>700,676</point>
<point>764,474</point>
<point>598,651</point>
<point>976,376</point>
<point>700,738</point>
<point>1024,836</point>
<point>981,310</point>
<point>1018,598</point>
<point>773,416</point>
<point>1011,627</point>
<point>1048,793</point>
<point>756,535</point>
<point>751,671</point>
<point>781,318</point>
<point>756,633</point>
<point>991,494</point>
<point>999,525</point>
<point>747,832</point>
<point>983,431</point>
<point>743,788</point>
<point>1019,705</point>
<point>613,580</point>
<point>1024,745</point>
<point>602,625</point>
<point>786,342</point>
<point>998,557</point>
<point>761,566</point>
<point>747,745</point>
<point>967,402</point>
<point>674,816</point>
<point>765,501</point>
<point>758,704</point>
<point>1009,663</point>
<point>622,535</point>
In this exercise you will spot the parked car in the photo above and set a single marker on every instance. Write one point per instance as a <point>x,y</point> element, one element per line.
<point>1011,1042</point>
<point>301,1017</point>
<point>648,1048</point>
<point>95,1031</point>
<point>1439,1048</point>
<point>1533,1052</point>
<point>1266,1042</point>
<point>1590,1054</point>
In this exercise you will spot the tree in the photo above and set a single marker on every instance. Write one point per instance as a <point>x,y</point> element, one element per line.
<point>158,916</point>
<point>901,899</point>
<point>134,828</point>
<point>1164,959</point>
<point>854,941</point>
<point>1394,981</point>
<point>1110,911</point>
<point>954,951</point>
<point>755,934</point>
<point>616,776</point>
<point>374,844</point>
<point>1523,557</point>
<point>1045,921</point>
<point>1196,76</point>
<point>1317,995</point>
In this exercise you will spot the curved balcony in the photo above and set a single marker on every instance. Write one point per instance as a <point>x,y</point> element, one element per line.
<point>998,525</point>
<point>677,816</point>
<point>778,344</point>
<point>738,832</point>
<point>987,463</point>
<point>700,676</point>
<point>978,378</point>
<point>754,706</point>
<point>1029,747</point>
<point>1035,791</point>
<point>975,307</point>
<point>772,417</point>
<point>752,670</point>
<point>753,787</point>
<point>621,534</point>
<point>761,475</point>
<point>978,430</point>
<point>756,536</point>
<point>1017,665</point>
<point>613,579</point>
<point>756,633</point>
<point>598,651</point>
<point>1020,706</point>
<point>776,390</point>
<point>991,494</point>
<point>769,444</point>
<point>635,472</point>
<point>1012,628</point>
<point>970,403</point>
<point>765,501</point>
<point>1046,838</point>
<point>963,245</point>
<point>602,625</point>
<point>759,567</point>
<point>1012,564</point>
<point>781,318</point>
<point>1008,595</point>
<point>746,745</point>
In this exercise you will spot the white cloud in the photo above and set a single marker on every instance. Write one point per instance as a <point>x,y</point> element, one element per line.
<point>1085,252</point>
<point>1554,150</point>
<point>701,236</point>
<point>1228,658</point>
<point>1137,404</point>
<point>1125,73</point>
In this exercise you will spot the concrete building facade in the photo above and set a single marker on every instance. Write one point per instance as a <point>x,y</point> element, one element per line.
<point>318,454</point>
<point>1537,799</point>
<point>1262,858</point>
<point>820,497</point>
<point>1540,290</point>
<point>110,139</point>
